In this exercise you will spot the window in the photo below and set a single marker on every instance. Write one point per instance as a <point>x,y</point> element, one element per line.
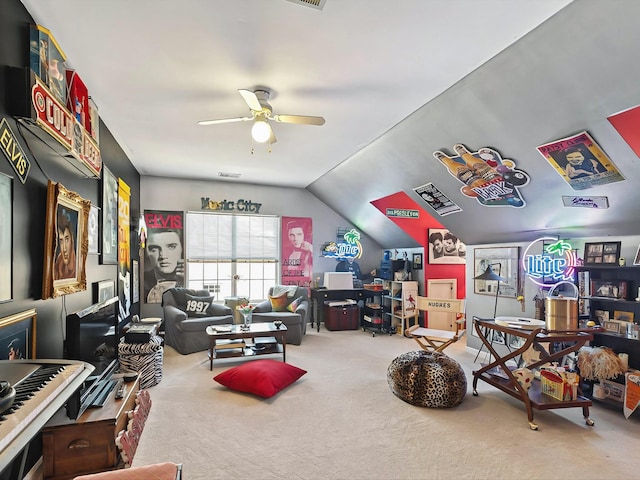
<point>232,255</point>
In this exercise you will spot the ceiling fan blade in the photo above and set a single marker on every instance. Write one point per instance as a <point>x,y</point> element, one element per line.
<point>304,119</point>
<point>251,99</point>
<point>272,136</point>
<point>225,120</point>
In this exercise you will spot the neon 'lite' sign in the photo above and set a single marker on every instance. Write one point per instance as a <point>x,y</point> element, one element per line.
<point>351,248</point>
<point>555,264</point>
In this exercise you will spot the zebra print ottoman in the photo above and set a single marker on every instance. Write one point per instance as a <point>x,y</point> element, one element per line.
<point>144,358</point>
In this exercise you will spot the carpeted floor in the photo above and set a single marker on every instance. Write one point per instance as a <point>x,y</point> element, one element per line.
<point>341,421</point>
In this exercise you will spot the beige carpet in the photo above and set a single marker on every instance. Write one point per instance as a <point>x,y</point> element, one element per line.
<point>341,421</point>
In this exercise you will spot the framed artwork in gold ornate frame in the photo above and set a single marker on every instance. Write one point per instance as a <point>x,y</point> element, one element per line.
<point>66,242</point>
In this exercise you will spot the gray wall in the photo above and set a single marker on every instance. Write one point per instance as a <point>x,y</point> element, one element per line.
<point>159,193</point>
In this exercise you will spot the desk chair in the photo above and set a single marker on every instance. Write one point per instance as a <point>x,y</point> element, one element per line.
<point>434,340</point>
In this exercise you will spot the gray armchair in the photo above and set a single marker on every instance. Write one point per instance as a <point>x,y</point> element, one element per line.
<point>185,330</point>
<point>295,321</point>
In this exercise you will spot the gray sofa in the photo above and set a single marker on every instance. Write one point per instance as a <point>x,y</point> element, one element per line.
<point>185,331</point>
<point>295,321</point>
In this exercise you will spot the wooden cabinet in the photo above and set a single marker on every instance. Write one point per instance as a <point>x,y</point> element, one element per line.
<point>88,444</point>
<point>402,303</point>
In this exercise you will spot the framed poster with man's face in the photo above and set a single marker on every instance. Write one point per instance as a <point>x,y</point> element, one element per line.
<point>445,247</point>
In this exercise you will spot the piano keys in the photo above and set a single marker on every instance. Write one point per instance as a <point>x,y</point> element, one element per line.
<point>42,388</point>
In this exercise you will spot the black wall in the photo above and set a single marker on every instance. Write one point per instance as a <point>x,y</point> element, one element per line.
<point>29,200</point>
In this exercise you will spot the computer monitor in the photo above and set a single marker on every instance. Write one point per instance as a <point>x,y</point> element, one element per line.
<point>338,281</point>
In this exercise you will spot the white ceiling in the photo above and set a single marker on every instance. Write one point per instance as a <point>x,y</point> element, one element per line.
<point>155,68</point>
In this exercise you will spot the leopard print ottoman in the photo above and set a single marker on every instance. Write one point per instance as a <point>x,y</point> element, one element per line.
<point>427,379</point>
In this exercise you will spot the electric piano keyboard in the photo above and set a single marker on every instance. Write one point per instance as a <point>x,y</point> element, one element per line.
<point>42,387</point>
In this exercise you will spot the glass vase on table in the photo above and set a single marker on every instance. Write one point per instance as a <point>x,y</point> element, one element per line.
<point>246,311</point>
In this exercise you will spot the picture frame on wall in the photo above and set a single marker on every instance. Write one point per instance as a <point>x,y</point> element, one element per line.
<point>504,261</point>
<point>636,260</point>
<point>105,289</point>
<point>602,253</point>
<point>93,230</point>
<point>445,247</point>
<point>6,239</point>
<point>18,335</point>
<point>66,242</point>
<point>417,261</point>
<point>109,254</point>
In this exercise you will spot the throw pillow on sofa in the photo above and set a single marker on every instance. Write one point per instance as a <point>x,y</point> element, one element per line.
<point>279,303</point>
<point>293,305</point>
<point>263,378</point>
<point>197,306</point>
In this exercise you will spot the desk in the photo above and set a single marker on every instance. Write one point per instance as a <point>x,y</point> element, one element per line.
<point>321,295</point>
<point>498,374</point>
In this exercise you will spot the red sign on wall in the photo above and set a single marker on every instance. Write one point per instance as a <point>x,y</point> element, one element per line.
<point>55,119</point>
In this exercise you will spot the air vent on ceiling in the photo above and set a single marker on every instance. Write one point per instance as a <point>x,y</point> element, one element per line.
<point>317,4</point>
<point>228,175</point>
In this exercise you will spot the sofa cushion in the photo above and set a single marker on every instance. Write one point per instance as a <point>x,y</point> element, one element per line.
<point>179,295</point>
<point>263,378</point>
<point>294,305</point>
<point>197,306</point>
<point>279,303</point>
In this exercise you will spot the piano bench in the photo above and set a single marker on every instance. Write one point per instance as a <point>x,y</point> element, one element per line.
<point>158,471</point>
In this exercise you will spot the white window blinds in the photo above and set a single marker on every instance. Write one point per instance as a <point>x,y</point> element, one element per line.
<point>224,237</point>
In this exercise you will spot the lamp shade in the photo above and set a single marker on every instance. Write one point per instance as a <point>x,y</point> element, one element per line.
<point>260,131</point>
<point>489,274</point>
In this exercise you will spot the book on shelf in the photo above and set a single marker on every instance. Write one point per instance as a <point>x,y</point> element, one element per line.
<point>226,344</point>
<point>265,341</point>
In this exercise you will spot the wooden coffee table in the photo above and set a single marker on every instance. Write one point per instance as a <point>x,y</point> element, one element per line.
<point>256,330</point>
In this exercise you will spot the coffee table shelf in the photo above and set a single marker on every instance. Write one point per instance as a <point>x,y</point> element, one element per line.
<point>256,330</point>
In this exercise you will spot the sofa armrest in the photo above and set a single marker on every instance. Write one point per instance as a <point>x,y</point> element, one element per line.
<point>303,308</point>
<point>218,310</point>
<point>173,314</point>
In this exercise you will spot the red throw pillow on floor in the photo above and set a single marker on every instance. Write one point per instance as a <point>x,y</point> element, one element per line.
<point>264,378</point>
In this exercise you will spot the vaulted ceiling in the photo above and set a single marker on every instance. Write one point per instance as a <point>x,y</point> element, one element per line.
<point>395,81</point>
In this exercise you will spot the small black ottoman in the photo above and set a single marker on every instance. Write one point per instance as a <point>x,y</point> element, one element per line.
<point>427,379</point>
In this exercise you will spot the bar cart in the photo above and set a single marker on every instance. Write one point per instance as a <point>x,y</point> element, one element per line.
<point>497,373</point>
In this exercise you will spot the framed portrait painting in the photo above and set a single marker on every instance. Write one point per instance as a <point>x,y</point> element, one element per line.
<point>66,242</point>
<point>445,247</point>
<point>6,246</point>
<point>18,336</point>
<point>109,218</point>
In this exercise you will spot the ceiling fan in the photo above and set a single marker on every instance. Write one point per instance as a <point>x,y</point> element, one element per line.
<point>261,112</point>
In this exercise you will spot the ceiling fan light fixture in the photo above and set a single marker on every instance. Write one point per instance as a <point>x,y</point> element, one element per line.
<point>260,131</point>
